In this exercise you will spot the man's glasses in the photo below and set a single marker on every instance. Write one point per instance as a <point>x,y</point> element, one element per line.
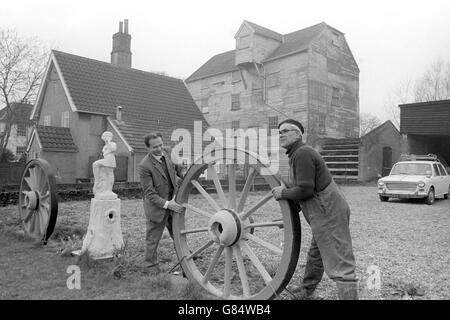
<point>286,131</point>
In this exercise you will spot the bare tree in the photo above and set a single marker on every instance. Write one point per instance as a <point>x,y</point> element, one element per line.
<point>22,64</point>
<point>367,122</point>
<point>434,84</point>
<point>401,94</point>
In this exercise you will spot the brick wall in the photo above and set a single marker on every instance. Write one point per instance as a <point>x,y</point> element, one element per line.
<point>371,151</point>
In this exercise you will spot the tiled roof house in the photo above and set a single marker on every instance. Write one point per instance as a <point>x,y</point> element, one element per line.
<point>80,98</point>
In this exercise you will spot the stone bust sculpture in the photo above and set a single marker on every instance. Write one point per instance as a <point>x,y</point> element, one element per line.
<point>103,170</point>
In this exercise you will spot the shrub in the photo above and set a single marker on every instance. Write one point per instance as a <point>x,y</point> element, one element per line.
<point>8,156</point>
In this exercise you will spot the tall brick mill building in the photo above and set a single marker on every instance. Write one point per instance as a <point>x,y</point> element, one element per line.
<point>309,75</point>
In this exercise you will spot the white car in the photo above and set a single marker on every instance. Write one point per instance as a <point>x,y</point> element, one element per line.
<point>419,177</point>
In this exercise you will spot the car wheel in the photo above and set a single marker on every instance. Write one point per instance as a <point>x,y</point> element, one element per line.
<point>384,198</point>
<point>448,192</point>
<point>430,198</point>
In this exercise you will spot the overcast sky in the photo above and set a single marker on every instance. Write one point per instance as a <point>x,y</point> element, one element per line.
<point>392,41</point>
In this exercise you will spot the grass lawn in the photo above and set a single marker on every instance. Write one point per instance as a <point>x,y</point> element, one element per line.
<point>408,241</point>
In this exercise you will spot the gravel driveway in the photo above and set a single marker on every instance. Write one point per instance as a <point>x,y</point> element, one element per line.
<point>407,241</point>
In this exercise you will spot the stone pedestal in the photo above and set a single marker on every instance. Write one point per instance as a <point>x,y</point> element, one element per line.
<point>104,234</point>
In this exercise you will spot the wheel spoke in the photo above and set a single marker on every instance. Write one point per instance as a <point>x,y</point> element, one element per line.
<point>41,180</point>
<point>31,223</point>
<point>264,243</point>
<point>266,198</point>
<point>28,215</point>
<point>232,186</point>
<point>44,187</point>
<point>212,172</point>
<point>34,177</point>
<point>227,277</point>
<point>30,183</point>
<point>246,189</point>
<point>193,254</point>
<point>184,231</point>
<point>42,221</point>
<point>45,196</point>
<point>255,260</point>
<point>278,224</point>
<point>36,224</point>
<point>212,265</point>
<point>242,273</point>
<point>197,210</point>
<point>203,192</point>
<point>44,213</point>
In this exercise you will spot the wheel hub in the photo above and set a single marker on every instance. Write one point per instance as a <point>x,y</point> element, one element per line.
<point>32,200</point>
<point>225,227</point>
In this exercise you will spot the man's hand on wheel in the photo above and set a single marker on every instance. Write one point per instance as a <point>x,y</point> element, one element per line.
<point>172,205</point>
<point>277,192</point>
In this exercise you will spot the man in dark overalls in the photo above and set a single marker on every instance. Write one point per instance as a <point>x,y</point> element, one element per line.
<point>325,209</point>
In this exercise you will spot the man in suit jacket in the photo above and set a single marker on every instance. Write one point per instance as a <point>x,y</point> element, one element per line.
<point>158,176</point>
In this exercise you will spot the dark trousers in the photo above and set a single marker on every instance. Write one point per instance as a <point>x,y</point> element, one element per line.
<point>154,233</point>
<point>328,214</point>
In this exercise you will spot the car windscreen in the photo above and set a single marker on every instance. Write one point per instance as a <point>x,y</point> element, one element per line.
<point>411,169</point>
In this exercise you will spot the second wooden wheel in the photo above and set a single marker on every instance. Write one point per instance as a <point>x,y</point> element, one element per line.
<point>38,203</point>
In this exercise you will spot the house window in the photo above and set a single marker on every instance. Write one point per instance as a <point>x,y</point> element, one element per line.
<point>235,76</point>
<point>273,124</point>
<point>244,42</point>
<point>322,122</point>
<point>273,79</point>
<point>335,39</point>
<point>335,97</point>
<point>235,101</point>
<point>21,130</point>
<point>20,150</point>
<point>347,129</point>
<point>204,105</point>
<point>47,121</point>
<point>65,119</point>
<point>235,124</point>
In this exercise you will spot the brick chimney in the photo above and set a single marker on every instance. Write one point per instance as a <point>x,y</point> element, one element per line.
<point>121,48</point>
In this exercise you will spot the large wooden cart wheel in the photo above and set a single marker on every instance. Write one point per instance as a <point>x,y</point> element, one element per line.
<point>38,203</point>
<point>234,245</point>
